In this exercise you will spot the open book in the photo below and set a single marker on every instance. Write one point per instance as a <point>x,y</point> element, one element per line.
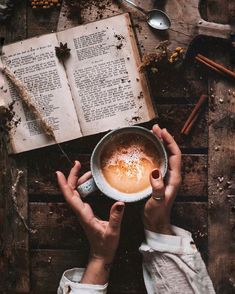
<point>97,88</point>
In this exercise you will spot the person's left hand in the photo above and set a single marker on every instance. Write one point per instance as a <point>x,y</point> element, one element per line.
<point>103,236</point>
<point>156,213</point>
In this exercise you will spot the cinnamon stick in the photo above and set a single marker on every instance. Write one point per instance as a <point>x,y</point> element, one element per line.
<point>193,116</point>
<point>191,124</point>
<point>211,63</point>
<point>208,65</point>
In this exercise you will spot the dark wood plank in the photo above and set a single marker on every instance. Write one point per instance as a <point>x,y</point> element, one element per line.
<point>48,265</point>
<point>64,231</point>
<point>14,248</point>
<point>15,29</point>
<point>194,176</point>
<point>41,22</point>
<point>14,259</point>
<point>221,180</point>
<point>178,86</point>
<point>42,180</point>
<point>58,228</point>
<point>231,11</point>
<point>173,118</point>
<point>218,11</point>
<point>221,165</point>
<point>221,173</point>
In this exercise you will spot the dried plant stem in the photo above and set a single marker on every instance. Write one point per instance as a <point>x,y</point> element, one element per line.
<point>65,154</point>
<point>27,99</point>
<point>14,199</point>
<point>25,96</point>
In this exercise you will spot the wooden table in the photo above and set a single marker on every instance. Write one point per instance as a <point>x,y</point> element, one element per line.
<point>34,262</point>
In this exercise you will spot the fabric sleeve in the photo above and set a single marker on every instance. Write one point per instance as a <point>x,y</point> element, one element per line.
<point>172,264</point>
<point>70,284</point>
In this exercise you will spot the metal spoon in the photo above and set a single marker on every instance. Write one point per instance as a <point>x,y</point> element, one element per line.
<point>156,18</point>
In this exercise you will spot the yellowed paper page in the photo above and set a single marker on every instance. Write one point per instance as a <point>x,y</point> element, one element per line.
<point>34,62</point>
<point>107,89</point>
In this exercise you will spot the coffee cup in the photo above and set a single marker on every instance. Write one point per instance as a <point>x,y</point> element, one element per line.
<point>121,164</point>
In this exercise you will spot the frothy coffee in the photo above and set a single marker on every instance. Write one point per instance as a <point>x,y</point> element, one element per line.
<point>127,162</point>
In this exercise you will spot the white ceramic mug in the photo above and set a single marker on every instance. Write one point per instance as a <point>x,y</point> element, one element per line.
<point>98,182</point>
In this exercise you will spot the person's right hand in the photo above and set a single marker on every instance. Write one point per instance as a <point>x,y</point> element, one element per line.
<point>156,214</point>
<point>103,236</point>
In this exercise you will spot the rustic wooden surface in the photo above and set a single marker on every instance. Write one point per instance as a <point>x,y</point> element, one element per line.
<point>33,263</point>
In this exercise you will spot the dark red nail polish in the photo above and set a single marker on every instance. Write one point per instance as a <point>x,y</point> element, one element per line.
<point>120,208</point>
<point>155,174</point>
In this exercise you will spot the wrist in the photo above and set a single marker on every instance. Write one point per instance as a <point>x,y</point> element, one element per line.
<point>160,228</point>
<point>99,261</point>
<point>97,271</point>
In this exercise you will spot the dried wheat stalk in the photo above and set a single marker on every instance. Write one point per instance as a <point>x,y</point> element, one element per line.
<point>25,96</point>
<point>14,199</point>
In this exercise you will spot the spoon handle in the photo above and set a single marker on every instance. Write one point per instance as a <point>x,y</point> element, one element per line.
<point>136,6</point>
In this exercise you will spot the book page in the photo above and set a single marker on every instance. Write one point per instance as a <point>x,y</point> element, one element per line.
<point>107,88</point>
<point>34,62</point>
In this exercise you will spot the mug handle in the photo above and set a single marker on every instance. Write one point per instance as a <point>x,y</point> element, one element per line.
<point>87,188</point>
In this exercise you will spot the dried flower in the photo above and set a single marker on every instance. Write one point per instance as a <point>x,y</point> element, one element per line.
<point>45,4</point>
<point>162,56</point>
<point>176,55</point>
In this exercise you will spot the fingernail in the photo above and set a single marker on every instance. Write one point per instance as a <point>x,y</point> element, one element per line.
<point>155,174</point>
<point>120,207</point>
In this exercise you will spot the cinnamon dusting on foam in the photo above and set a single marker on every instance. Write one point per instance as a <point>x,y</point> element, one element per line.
<point>127,163</point>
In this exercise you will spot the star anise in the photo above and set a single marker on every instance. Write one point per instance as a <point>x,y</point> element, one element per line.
<point>63,51</point>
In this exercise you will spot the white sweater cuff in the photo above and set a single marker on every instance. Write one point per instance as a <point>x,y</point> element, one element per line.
<point>180,243</point>
<point>70,283</point>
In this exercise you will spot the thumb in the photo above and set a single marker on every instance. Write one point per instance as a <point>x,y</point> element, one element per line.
<point>116,214</point>
<point>157,184</point>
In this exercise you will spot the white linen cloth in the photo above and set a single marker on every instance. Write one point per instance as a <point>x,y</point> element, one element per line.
<point>171,265</point>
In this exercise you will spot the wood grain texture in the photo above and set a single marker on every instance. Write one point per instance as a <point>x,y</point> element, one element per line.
<point>222,168</point>
<point>58,227</point>
<point>48,265</point>
<point>14,259</point>
<point>60,243</point>
<point>218,11</point>
<point>41,22</point>
<point>221,181</point>
<point>172,117</point>
<point>42,180</point>
<point>231,11</point>
<point>15,29</point>
<point>14,256</point>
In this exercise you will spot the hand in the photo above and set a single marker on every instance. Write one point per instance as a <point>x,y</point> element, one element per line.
<point>103,236</point>
<point>156,214</point>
